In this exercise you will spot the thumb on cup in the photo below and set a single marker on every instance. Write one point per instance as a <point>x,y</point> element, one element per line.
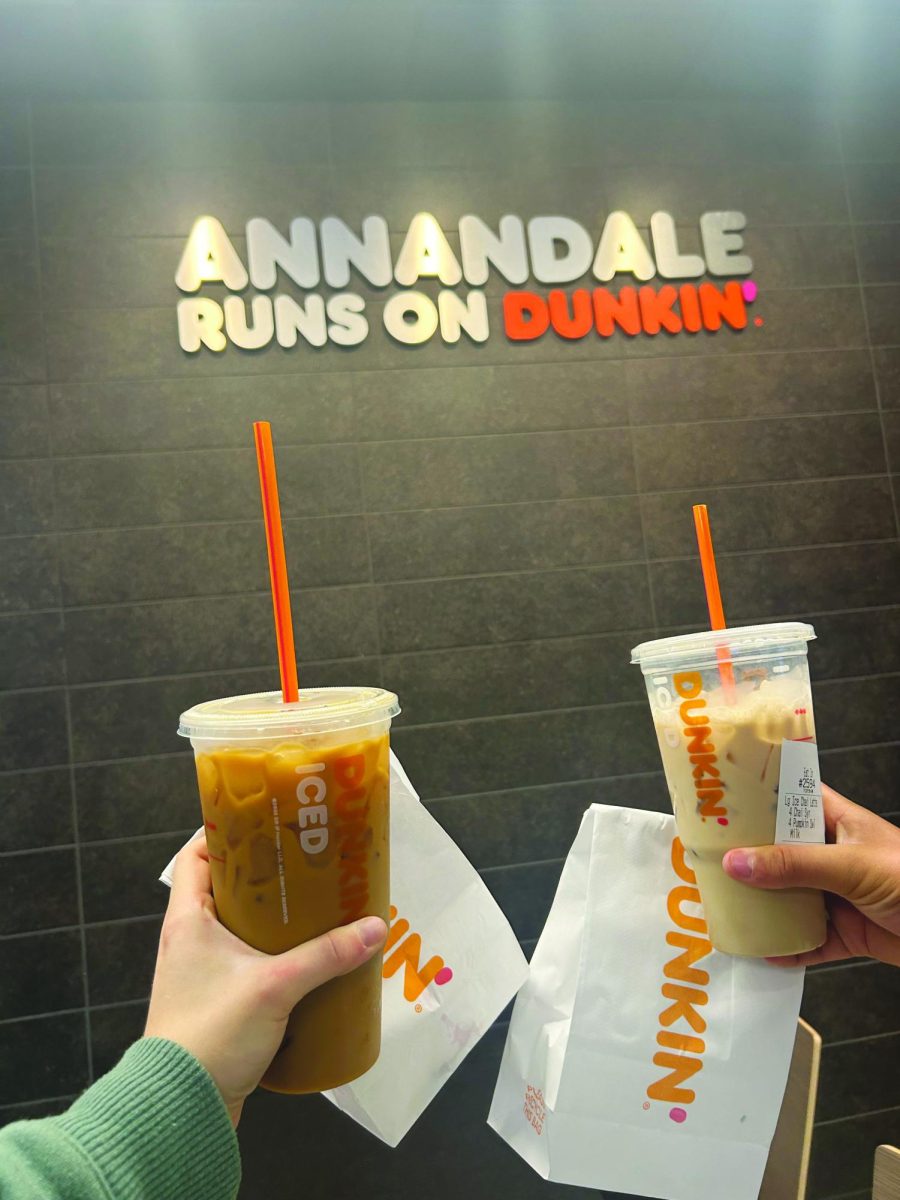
<point>831,868</point>
<point>295,973</point>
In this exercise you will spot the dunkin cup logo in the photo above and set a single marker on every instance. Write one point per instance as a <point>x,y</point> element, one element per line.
<point>681,1023</point>
<point>701,750</point>
<point>404,949</point>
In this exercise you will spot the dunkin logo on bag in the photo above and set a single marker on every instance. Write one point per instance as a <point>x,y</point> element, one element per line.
<point>404,949</point>
<point>681,1024</point>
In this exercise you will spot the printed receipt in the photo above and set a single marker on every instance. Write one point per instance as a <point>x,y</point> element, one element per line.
<point>800,817</point>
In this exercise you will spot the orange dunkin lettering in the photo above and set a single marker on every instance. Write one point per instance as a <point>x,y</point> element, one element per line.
<point>682,870</point>
<point>682,1008</point>
<point>688,684</point>
<point>621,310</point>
<point>680,1021</point>
<point>698,742</point>
<point>700,747</point>
<point>685,712</point>
<point>682,967</point>
<point>727,304</point>
<point>679,1041</point>
<point>350,771</point>
<point>681,1068</point>
<point>685,895</point>
<point>352,805</point>
<point>407,954</point>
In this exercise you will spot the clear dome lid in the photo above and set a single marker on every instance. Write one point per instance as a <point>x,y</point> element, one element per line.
<point>742,642</point>
<point>264,714</point>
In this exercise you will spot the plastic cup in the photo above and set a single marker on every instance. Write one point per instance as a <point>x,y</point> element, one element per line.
<point>295,801</point>
<point>721,750</point>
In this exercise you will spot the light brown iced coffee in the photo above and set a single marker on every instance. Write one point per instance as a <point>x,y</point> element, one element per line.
<point>721,748</point>
<point>295,804</point>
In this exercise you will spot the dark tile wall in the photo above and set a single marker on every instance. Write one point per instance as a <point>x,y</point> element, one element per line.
<point>485,529</point>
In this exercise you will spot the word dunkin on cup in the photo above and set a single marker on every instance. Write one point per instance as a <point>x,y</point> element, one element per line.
<point>724,705</point>
<point>295,801</point>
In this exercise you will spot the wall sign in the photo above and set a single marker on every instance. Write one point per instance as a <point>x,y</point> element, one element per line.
<point>549,250</point>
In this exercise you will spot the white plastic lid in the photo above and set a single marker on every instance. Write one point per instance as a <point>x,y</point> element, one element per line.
<point>743,642</point>
<point>264,714</point>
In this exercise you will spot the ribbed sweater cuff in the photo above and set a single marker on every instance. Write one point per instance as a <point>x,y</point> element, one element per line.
<point>156,1127</point>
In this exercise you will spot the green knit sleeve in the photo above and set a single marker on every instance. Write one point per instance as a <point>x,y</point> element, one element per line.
<point>154,1128</point>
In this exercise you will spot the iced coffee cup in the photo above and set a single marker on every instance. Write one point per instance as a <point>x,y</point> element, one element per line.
<point>295,801</point>
<point>723,704</point>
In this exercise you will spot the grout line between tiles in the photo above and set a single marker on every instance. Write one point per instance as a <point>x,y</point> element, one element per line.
<point>414,581</point>
<point>872,1112</point>
<point>851,964</point>
<point>79,879</point>
<point>141,602</point>
<point>859,1194</point>
<point>436,801</point>
<point>130,680</point>
<point>531,787</point>
<point>576,708</point>
<point>162,755</point>
<point>343,443</point>
<point>871,1037</point>
<point>635,466</point>
<point>79,889</point>
<point>414,650</point>
<point>371,369</point>
<point>126,680</point>
<point>368,541</point>
<point>599,497</point>
<point>23,933</point>
<point>865,312</point>
<point>66,1012</point>
<point>612,362</point>
<point>99,762</point>
<point>534,862</point>
<point>42,1016</point>
<point>127,840</point>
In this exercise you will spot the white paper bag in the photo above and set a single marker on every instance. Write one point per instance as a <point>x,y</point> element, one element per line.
<point>448,930</point>
<point>638,1059</point>
<point>451,964</point>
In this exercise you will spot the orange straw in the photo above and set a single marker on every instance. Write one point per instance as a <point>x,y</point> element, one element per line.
<point>713,595</point>
<point>281,596</point>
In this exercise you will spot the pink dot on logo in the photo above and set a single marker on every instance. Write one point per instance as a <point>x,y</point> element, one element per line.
<point>722,820</point>
<point>678,1115</point>
<point>749,289</point>
<point>443,976</point>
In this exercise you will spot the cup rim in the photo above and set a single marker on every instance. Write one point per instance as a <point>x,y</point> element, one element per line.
<point>264,714</point>
<point>741,641</point>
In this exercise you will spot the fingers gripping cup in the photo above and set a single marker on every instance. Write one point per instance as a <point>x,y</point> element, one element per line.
<point>295,802</point>
<point>723,703</point>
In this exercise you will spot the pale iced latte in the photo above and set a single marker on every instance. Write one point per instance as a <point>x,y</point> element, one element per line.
<point>721,750</point>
